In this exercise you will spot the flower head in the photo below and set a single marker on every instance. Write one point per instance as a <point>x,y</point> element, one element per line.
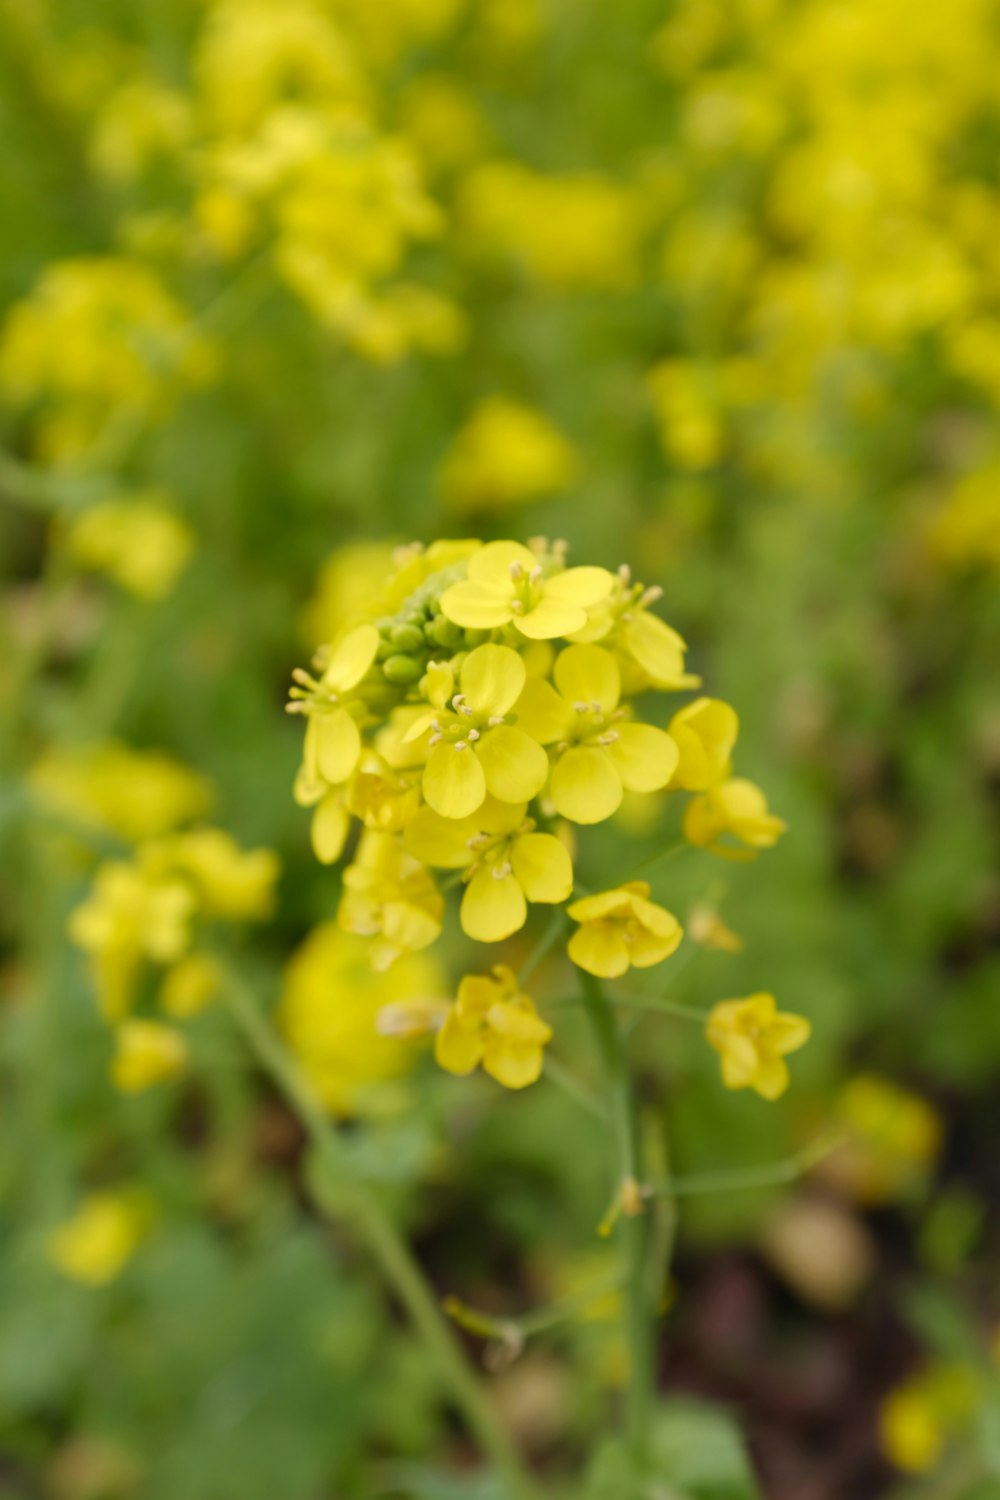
<point>146,1053</point>
<point>704,732</point>
<point>390,897</point>
<point>97,1242</point>
<point>508,584</point>
<point>735,807</point>
<point>752,1037</point>
<point>620,929</point>
<point>494,1024</point>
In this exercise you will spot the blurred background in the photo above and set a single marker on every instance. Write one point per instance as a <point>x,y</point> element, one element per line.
<point>709,287</point>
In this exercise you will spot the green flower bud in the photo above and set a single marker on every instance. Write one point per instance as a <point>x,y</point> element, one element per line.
<point>403,669</point>
<point>445,633</point>
<point>407,638</point>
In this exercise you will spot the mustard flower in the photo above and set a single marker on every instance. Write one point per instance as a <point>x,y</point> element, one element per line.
<point>508,584</point>
<point>736,807</point>
<point>96,1244</point>
<point>704,732</point>
<point>475,748</point>
<point>189,986</point>
<point>622,928</point>
<point>599,753</point>
<point>146,1053</point>
<point>390,897</point>
<point>137,794</point>
<point>333,739</point>
<point>230,883</point>
<point>752,1037</point>
<point>130,915</point>
<point>493,1024</point>
<point>138,540</point>
<point>506,454</point>
<point>506,864</point>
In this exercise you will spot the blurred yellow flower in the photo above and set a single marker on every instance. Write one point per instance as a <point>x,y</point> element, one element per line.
<point>494,1024</point>
<point>97,1243</point>
<point>735,807</point>
<point>391,898</point>
<point>691,427</point>
<point>705,733</point>
<point>129,915</point>
<point>506,454</point>
<point>232,884</point>
<point>620,929</point>
<point>894,1137</point>
<point>921,1417</point>
<point>138,794</point>
<point>137,540</point>
<point>189,986</point>
<point>331,1000</point>
<point>146,1053</point>
<point>752,1038</point>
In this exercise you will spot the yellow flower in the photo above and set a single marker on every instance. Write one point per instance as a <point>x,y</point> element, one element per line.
<point>704,732</point>
<point>130,915</point>
<point>494,1024</point>
<point>506,454</point>
<point>135,793</point>
<point>918,1419</point>
<point>752,1037</point>
<point>189,986</point>
<point>475,748</point>
<point>331,1000</point>
<point>507,584</point>
<point>691,429</point>
<point>390,897</point>
<point>736,807</point>
<point>137,540</point>
<point>705,926</point>
<point>231,883</point>
<point>333,739</point>
<point>347,582</point>
<point>506,864</point>
<point>894,1137</point>
<point>383,798</point>
<point>622,928</point>
<point>599,754</point>
<point>146,1053</point>
<point>97,1243</point>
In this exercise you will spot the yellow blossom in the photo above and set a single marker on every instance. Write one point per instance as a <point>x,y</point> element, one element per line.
<point>231,883</point>
<point>736,807</point>
<point>137,540</point>
<point>506,454</point>
<point>391,898</point>
<point>189,986</point>
<point>333,739</point>
<point>494,1024</point>
<point>135,793</point>
<point>921,1417</point>
<point>331,1000</point>
<point>704,732</point>
<point>96,1244</point>
<point>895,1136</point>
<point>506,863</point>
<point>146,1053</point>
<point>508,584</point>
<point>599,753</point>
<point>130,915</point>
<point>752,1038</point>
<point>706,927</point>
<point>475,749</point>
<point>622,928</point>
<point>691,429</point>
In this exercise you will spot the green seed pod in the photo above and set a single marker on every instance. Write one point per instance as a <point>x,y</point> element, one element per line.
<point>407,638</point>
<point>403,669</point>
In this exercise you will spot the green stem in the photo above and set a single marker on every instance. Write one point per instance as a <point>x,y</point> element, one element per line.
<point>341,1195</point>
<point>639,1312</point>
<point>771,1174</point>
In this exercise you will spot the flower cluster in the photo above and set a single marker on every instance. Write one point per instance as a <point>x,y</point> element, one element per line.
<point>489,701</point>
<point>140,928</point>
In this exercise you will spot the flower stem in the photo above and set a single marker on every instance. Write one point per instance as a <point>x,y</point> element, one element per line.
<point>639,1309</point>
<point>340,1194</point>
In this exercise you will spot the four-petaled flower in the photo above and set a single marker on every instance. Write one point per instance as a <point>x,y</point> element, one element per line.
<point>333,739</point>
<point>146,1053</point>
<point>752,1037</point>
<point>506,864</point>
<point>493,1023</point>
<point>622,928</point>
<point>599,753</point>
<point>736,807</point>
<point>705,732</point>
<point>508,585</point>
<point>475,748</point>
<point>390,897</point>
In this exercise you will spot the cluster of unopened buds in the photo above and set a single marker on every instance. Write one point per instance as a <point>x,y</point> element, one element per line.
<point>486,706</point>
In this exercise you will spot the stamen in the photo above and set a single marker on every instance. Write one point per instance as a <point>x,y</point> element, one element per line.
<point>581,707</point>
<point>625,574</point>
<point>516,570</point>
<point>609,738</point>
<point>500,872</point>
<point>473,735</point>
<point>535,576</point>
<point>651,595</point>
<point>461,745</point>
<point>517,606</point>
<point>436,738</point>
<point>494,720</point>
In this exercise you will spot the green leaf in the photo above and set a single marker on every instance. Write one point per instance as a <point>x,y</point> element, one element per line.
<point>696,1453</point>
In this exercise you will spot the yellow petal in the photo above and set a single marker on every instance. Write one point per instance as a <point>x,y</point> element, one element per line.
<point>513,1064</point>
<point>410,927</point>
<point>351,658</point>
<point>542,867</point>
<point>645,757</point>
<point>658,650</point>
<point>603,904</point>
<point>438,841</point>
<point>337,744</point>
<point>771,1078</point>
<point>550,618</point>
<point>476,993</point>
<point>649,948</point>
<point>492,678</point>
<point>491,564</point>
<point>542,713</point>
<point>585,786</point>
<point>475,607</point>
<point>453,783</point>
<point>457,1048</point>
<point>588,674</point>
<point>518,1021</point>
<point>584,586</point>
<point>330,825</point>
<point>788,1032</point>
<point>492,909</point>
<point>515,767</point>
<point>600,948</point>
